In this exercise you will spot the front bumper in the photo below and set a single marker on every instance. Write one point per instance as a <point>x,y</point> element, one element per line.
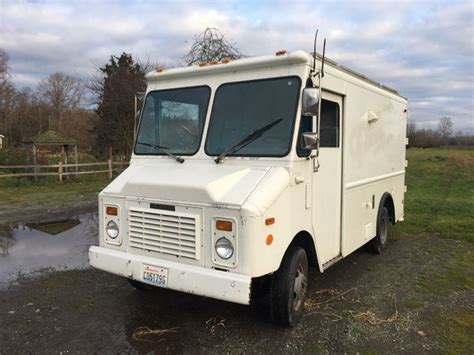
<point>181,277</point>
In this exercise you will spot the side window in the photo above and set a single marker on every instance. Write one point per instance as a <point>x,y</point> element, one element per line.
<point>329,131</point>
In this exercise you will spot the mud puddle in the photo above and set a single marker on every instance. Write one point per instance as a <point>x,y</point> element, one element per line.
<point>29,249</point>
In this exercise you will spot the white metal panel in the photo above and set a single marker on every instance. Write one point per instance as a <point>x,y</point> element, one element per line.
<point>327,194</point>
<point>221,285</point>
<point>204,182</point>
<point>374,160</point>
<point>165,232</point>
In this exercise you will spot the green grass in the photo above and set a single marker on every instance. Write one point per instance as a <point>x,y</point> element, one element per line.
<point>412,303</point>
<point>24,190</point>
<point>457,332</point>
<point>440,196</point>
<point>455,273</point>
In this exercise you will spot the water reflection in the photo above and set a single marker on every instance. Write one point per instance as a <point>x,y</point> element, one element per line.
<point>6,239</point>
<point>27,249</point>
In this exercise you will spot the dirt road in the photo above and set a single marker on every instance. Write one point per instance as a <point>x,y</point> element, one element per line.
<point>416,298</point>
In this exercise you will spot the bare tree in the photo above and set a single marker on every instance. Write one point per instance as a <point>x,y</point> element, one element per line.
<point>4,76</point>
<point>445,128</point>
<point>62,92</point>
<point>411,133</point>
<point>210,45</point>
<point>7,95</point>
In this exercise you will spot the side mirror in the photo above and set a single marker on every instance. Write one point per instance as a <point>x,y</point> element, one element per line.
<point>310,105</point>
<point>310,140</point>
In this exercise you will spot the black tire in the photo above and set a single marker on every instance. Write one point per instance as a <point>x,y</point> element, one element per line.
<point>378,244</point>
<point>139,285</point>
<point>289,288</point>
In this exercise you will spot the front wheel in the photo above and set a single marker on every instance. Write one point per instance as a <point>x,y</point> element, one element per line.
<point>289,288</point>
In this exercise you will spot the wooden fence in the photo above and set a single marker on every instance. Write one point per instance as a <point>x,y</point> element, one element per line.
<point>63,170</point>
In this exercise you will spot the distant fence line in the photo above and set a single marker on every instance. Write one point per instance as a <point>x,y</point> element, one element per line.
<point>64,169</point>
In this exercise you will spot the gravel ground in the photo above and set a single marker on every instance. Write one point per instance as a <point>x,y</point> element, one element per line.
<point>415,298</point>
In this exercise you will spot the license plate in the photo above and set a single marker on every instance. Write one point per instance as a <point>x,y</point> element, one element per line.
<point>155,275</point>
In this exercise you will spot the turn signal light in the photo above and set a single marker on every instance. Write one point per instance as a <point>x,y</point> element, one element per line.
<point>270,221</point>
<point>111,211</point>
<point>224,225</point>
<point>269,239</point>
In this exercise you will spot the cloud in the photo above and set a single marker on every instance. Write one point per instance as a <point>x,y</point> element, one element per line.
<point>423,49</point>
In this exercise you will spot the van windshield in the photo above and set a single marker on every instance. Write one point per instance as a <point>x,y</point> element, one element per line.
<point>243,107</point>
<point>173,120</point>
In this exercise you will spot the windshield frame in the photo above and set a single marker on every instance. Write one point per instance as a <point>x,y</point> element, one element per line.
<point>198,147</point>
<point>294,115</point>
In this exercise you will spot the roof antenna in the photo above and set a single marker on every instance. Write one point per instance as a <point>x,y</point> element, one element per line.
<point>324,55</point>
<point>314,51</point>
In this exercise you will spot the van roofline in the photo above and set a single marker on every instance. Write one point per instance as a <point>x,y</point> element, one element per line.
<point>297,57</point>
<point>283,59</point>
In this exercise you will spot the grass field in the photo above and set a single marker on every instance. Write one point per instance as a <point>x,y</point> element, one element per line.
<point>14,191</point>
<point>440,196</point>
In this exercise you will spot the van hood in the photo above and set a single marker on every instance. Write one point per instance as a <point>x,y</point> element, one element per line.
<point>196,182</point>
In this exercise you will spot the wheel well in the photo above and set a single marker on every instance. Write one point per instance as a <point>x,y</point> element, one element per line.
<point>304,240</point>
<point>387,202</point>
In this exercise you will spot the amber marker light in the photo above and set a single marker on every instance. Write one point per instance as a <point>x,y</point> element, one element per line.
<point>224,225</point>
<point>111,211</point>
<point>269,239</point>
<point>270,221</point>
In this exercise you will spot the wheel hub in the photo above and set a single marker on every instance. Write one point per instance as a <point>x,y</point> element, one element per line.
<point>299,287</point>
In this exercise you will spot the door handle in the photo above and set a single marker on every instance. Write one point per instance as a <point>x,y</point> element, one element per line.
<point>299,179</point>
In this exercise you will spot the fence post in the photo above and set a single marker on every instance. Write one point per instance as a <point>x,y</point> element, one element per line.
<point>60,171</point>
<point>110,169</point>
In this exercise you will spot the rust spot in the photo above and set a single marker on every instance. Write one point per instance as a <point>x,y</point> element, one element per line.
<point>226,60</point>
<point>281,52</point>
<point>160,69</point>
<point>203,64</point>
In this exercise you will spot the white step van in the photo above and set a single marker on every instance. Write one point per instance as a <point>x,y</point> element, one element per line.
<point>254,169</point>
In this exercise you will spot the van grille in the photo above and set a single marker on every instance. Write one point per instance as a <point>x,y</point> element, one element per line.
<point>167,232</point>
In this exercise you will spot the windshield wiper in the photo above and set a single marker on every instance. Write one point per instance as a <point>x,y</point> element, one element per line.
<point>247,140</point>
<point>165,150</point>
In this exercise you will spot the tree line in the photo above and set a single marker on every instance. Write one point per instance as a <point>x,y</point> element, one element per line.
<point>433,138</point>
<point>99,113</point>
<point>61,102</point>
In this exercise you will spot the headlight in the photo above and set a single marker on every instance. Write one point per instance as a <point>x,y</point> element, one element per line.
<point>224,248</point>
<point>112,230</point>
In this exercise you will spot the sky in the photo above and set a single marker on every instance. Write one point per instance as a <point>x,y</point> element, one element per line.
<point>424,49</point>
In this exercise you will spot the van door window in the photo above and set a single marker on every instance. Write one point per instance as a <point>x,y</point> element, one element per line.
<point>329,132</point>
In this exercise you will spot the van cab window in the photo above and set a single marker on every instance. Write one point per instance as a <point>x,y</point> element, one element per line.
<point>173,119</point>
<point>329,131</point>
<point>241,108</point>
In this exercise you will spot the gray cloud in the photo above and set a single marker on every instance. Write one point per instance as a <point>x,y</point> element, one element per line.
<point>423,49</point>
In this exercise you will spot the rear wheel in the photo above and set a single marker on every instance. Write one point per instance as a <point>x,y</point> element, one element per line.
<point>378,244</point>
<point>289,288</point>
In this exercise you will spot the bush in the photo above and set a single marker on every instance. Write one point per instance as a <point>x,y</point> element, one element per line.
<point>13,156</point>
